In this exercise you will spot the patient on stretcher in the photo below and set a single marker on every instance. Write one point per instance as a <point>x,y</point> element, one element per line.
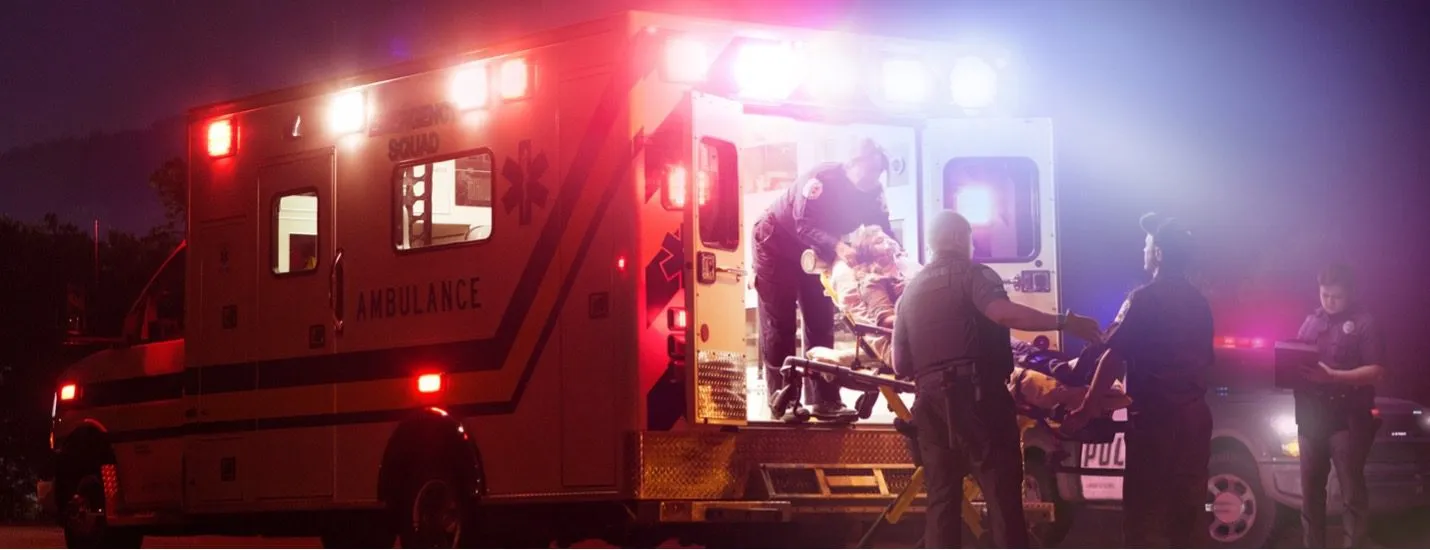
<point>868,281</point>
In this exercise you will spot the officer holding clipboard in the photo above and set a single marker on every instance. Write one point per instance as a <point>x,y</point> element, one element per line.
<point>1334,401</point>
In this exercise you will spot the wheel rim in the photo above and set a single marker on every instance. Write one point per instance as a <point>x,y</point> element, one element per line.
<point>85,510</point>
<point>436,516</point>
<point>1233,508</point>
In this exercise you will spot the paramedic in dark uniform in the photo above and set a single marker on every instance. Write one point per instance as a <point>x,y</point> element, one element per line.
<point>1162,342</point>
<point>815,212</point>
<point>951,336</point>
<point>1333,411</point>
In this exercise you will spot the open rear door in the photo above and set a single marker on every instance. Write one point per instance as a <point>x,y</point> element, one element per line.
<point>999,174</point>
<point>715,294</point>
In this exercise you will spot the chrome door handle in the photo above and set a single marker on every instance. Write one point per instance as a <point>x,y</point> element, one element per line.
<point>738,271</point>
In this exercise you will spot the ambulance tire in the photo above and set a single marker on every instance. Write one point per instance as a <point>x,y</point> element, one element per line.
<point>82,516</point>
<point>431,510</point>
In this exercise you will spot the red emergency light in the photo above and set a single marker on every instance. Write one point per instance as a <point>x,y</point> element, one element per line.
<point>1235,342</point>
<point>470,86</point>
<point>221,137</point>
<point>768,71</point>
<point>429,383</point>
<point>68,392</point>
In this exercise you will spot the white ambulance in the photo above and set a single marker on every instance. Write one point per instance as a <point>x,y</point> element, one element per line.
<point>518,279</point>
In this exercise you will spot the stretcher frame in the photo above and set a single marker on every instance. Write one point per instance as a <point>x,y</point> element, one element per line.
<point>872,386</point>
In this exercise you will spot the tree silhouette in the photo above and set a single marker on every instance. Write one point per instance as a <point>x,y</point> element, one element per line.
<point>171,183</point>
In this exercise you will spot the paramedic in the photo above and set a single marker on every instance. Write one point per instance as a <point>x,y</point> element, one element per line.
<point>951,336</point>
<point>1162,341</point>
<point>1333,413</point>
<point>814,213</point>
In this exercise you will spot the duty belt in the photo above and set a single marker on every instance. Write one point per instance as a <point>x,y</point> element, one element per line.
<point>962,369</point>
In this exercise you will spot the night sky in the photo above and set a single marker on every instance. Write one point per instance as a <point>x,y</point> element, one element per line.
<point>1286,132</point>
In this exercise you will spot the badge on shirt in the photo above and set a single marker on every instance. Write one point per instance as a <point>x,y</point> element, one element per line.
<point>1349,327</point>
<point>813,189</point>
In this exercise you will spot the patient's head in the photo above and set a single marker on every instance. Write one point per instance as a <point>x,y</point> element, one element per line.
<point>869,245</point>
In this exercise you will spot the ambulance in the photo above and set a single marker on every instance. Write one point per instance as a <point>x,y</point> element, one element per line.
<point>516,283</point>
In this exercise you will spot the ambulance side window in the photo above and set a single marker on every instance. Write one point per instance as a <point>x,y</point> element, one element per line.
<point>295,232</point>
<point>718,184</point>
<point>449,201</point>
<point>999,196</point>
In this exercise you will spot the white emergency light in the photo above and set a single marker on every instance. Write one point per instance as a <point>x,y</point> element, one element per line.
<point>832,75</point>
<point>905,81</point>
<point>348,112</point>
<point>768,71</point>
<point>976,204</point>
<point>515,79</point>
<point>973,83</point>
<point>686,60</point>
<point>470,86</point>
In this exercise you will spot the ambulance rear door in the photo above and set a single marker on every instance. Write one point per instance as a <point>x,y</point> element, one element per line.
<point>998,172</point>
<point>715,274</point>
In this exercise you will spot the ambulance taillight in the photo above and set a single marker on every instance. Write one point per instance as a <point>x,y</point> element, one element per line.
<point>515,77</point>
<point>68,392</point>
<point>676,319</point>
<point>686,60</point>
<point>221,138</point>
<point>429,383</point>
<point>470,86</point>
<point>905,81</point>
<point>348,112</point>
<point>677,184</point>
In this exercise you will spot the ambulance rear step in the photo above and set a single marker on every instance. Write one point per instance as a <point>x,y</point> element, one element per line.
<point>859,488</point>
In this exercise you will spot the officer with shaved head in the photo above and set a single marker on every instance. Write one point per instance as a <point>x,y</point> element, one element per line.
<point>951,336</point>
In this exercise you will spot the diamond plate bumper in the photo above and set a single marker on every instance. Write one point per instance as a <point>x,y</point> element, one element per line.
<point>726,465</point>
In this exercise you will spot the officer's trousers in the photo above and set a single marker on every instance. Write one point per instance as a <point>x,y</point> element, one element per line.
<point>1165,483</point>
<point>784,287</point>
<point>961,433</point>
<point>1347,449</point>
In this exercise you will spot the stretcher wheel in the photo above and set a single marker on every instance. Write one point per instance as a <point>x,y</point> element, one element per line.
<point>865,404</point>
<point>801,414</point>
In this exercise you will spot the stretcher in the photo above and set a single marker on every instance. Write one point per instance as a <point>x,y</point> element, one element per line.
<point>869,375</point>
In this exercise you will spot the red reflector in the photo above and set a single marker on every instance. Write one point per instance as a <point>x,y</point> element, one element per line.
<point>67,392</point>
<point>220,138</point>
<point>677,319</point>
<point>429,383</point>
<point>515,78</point>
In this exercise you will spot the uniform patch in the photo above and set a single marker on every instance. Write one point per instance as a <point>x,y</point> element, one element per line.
<point>991,275</point>
<point>813,189</point>
<point>1349,327</point>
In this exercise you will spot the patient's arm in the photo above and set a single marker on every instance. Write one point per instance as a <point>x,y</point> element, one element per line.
<point>875,292</point>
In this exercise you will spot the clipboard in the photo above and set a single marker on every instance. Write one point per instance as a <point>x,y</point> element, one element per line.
<point>1290,357</point>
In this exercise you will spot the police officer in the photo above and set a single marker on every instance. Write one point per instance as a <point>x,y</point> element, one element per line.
<point>1162,342</point>
<point>822,206</point>
<point>1333,411</point>
<point>951,336</point>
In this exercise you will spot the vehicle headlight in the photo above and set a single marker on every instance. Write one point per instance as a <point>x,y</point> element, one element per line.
<point>1285,425</point>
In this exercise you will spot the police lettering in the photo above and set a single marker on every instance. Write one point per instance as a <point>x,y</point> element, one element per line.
<point>418,299</point>
<point>413,146</point>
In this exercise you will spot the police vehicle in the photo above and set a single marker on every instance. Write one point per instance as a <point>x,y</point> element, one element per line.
<point>1254,486</point>
<point>516,279</point>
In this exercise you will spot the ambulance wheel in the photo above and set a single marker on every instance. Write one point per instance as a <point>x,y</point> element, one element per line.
<point>82,517</point>
<point>433,512</point>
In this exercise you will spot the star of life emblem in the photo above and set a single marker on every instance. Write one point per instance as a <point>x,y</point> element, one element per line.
<point>1349,327</point>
